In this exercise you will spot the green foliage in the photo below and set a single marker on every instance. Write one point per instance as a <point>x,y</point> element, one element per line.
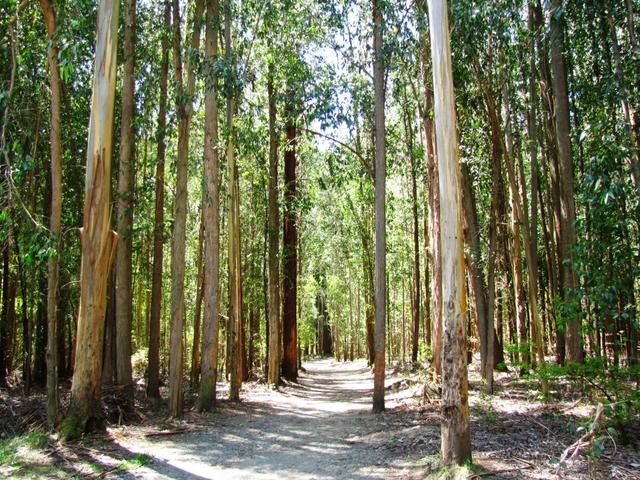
<point>134,462</point>
<point>436,470</point>
<point>14,450</point>
<point>615,387</point>
<point>425,353</point>
<point>71,428</point>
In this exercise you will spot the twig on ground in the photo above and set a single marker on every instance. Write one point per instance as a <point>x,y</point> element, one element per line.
<point>167,433</point>
<point>585,440</point>
<point>526,466</point>
<point>572,405</point>
<point>104,473</point>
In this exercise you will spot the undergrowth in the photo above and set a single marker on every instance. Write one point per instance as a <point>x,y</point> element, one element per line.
<point>615,387</point>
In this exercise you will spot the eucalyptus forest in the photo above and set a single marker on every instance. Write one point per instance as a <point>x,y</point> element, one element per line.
<point>348,239</point>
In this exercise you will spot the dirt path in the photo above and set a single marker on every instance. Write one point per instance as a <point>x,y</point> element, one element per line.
<point>319,429</point>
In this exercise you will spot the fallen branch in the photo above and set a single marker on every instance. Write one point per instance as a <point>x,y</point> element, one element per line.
<point>526,466</point>
<point>166,433</point>
<point>585,440</point>
<point>107,472</point>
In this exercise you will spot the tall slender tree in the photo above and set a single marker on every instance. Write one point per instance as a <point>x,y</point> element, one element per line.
<point>184,107</point>
<point>290,249</point>
<point>567,238</point>
<point>153,371</point>
<point>235,331</point>
<point>55,230</point>
<point>275,335</point>
<point>211,214</point>
<point>455,435</point>
<point>97,239</point>
<point>380,187</point>
<point>124,279</point>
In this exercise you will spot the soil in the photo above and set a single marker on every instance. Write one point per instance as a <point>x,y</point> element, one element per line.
<point>319,428</point>
<point>322,428</point>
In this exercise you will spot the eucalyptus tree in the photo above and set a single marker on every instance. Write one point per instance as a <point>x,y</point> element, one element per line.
<point>290,246</point>
<point>455,436</point>
<point>211,214</point>
<point>153,369</point>
<point>380,188</point>
<point>435,277</point>
<point>567,240</point>
<point>55,228</point>
<point>274,326</point>
<point>98,240</point>
<point>124,287</point>
<point>185,86</point>
<point>234,327</point>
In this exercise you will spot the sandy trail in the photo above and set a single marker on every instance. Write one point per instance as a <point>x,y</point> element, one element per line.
<point>321,428</point>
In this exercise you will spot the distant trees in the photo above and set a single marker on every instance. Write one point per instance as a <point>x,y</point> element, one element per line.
<point>315,122</point>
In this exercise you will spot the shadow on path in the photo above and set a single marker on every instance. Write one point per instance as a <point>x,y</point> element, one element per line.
<point>318,428</point>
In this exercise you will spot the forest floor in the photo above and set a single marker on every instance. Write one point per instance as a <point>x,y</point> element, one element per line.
<point>322,428</point>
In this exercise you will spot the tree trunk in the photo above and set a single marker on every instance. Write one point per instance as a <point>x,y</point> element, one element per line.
<point>210,327</point>
<point>109,349</point>
<point>477,285</point>
<point>184,107</point>
<point>153,380</point>
<point>415,294</point>
<point>434,212</point>
<point>456,440</point>
<point>567,206</point>
<point>5,360</point>
<point>516,257</point>
<point>124,291</point>
<point>427,281</point>
<point>98,241</point>
<point>290,252</point>
<point>380,185</point>
<point>275,335</point>
<point>200,287</point>
<point>553,247</point>
<point>26,328</point>
<point>628,110</point>
<point>235,330</point>
<point>53,264</point>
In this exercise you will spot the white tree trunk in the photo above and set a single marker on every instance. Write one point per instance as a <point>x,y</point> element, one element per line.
<point>456,442</point>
